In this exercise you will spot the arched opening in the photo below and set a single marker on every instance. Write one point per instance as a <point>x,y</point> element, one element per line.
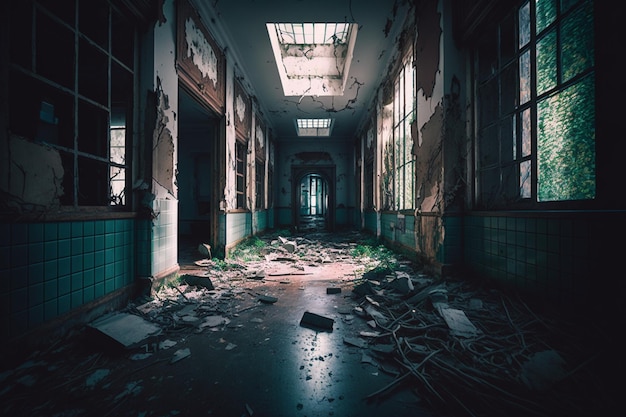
<point>313,203</point>
<point>313,198</point>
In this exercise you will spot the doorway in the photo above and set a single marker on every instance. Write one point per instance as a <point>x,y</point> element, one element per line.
<point>313,197</point>
<point>198,130</point>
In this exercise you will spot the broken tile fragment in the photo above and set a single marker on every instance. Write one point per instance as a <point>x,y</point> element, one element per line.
<point>365,358</point>
<point>166,344</point>
<point>333,290</point>
<point>97,376</point>
<point>316,321</point>
<point>180,354</point>
<point>214,321</point>
<point>267,299</point>
<point>353,341</point>
<point>458,322</point>
<point>126,329</point>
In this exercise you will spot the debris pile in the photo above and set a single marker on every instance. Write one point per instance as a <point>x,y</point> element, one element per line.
<point>463,348</point>
<point>469,350</point>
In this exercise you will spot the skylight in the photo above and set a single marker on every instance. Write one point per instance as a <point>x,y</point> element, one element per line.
<point>312,33</point>
<point>313,59</point>
<point>314,127</point>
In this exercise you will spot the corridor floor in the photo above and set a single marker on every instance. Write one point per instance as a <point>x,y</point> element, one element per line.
<point>233,341</point>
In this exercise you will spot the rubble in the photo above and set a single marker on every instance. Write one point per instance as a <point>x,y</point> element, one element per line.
<point>464,349</point>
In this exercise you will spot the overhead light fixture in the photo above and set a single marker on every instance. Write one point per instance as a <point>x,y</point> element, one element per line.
<point>313,59</point>
<point>314,127</point>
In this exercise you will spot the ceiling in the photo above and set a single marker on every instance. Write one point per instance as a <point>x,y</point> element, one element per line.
<point>243,25</point>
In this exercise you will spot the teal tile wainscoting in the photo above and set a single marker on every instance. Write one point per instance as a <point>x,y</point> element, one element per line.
<point>49,269</point>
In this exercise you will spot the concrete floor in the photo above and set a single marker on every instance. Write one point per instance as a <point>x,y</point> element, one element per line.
<point>262,361</point>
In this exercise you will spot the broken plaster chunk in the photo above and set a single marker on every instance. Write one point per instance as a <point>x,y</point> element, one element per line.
<point>214,321</point>
<point>180,354</point>
<point>402,284</point>
<point>166,344</point>
<point>542,370</point>
<point>267,299</point>
<point>198,281</point>
<point>97,376</point>
<point>255,274</point>
<point>458,322</point>
<point>289,245</point>
<point>385,349</point>
<point>205,250</point>
<point>126,329</point>
<point>354,341</point>
<point>365,358</point>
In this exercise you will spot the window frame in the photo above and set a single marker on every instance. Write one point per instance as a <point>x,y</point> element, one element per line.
<point>241,188</point>
<point>75,103</point>
<point>402,116</point>
<point>259,173</point>
<point>494,72</point>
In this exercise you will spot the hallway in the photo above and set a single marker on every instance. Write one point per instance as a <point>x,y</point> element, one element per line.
<point>235,343</point>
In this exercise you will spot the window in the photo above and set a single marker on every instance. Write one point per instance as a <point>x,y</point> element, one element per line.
<point>368,185</point>
<point>260,184</point>
<point>314,127</point>
<point>72,83</point>
<point>536,106</point>
<point>240,161</point>
<point>403,115</point>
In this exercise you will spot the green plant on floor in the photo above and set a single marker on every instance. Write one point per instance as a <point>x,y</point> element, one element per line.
<point>248,250</point>
<point>376,253</point>
<point>220,264</point>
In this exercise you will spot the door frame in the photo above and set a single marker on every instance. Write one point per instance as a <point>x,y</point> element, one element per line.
<point>327,172</point>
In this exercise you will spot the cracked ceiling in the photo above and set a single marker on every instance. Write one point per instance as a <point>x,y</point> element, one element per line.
<point>379,24</point>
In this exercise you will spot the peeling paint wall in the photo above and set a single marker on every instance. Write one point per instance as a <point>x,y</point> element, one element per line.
<point>32,179</point>
<point>164,149</point>
<point>164,244</point>
<point>229,193</point>
<point>429,164</point>
<point>427,46</point>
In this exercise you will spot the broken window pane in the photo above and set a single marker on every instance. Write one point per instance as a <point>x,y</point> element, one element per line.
<point>54,51</point>
<point>118,186</point>
<point>93,127</point>
<point>50,69</point>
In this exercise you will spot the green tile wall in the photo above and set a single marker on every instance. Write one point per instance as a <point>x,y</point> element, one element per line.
<point>48,269</point>
<point>557,257</point>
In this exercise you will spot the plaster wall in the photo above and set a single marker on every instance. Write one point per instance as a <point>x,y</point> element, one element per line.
<point>164,242</point>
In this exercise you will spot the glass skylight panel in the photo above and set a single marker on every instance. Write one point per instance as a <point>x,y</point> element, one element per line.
<point>315,123</point>
<point>313,127</point>
<point>323,69</point>
<point>312,33</point>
